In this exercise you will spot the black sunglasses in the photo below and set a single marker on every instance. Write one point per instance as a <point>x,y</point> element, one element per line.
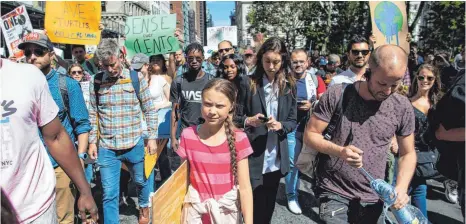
<point>363,52</point>
<point>429,78</point>
<point>76,72</point>
<point>224,50</point>
<point>39,52</point>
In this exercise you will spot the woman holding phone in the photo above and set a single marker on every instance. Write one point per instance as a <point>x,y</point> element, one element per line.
<point>270,114</point>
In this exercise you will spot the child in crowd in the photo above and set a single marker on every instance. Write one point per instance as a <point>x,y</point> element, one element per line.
<point>218,158</point>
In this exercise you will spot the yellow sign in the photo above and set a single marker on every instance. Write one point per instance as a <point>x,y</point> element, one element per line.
<point>167,203</point>
<point>389,23</point>
<point>73,22</point>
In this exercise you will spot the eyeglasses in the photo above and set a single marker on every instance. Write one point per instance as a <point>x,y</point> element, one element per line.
<point>363,52</point>
<point>76,72</point>
<point>297,62</point>
<point>190,59</point>
<point>224,50</point>
<point>429,78</point>
<point>39,52</point>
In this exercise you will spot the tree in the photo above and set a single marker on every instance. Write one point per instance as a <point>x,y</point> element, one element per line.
<point>443,27</point>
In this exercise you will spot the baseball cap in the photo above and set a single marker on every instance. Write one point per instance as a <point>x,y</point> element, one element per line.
<point>322,61</point>
<point>38,39</point>
<point>248,51</point>
<point>139,60</point>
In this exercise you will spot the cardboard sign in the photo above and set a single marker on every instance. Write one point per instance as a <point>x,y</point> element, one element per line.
<point>73,22</point>
<point>167,203</point>
<point>217,34</point>
<point>389,23</point>
<point>151,35</point>
<point>15,26</point>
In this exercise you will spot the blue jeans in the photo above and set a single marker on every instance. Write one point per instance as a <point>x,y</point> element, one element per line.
<point>110,166</point>
<point>295,143</point>
<point>418,192</point>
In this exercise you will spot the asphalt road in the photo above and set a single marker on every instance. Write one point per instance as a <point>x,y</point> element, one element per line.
<point>439,211</point>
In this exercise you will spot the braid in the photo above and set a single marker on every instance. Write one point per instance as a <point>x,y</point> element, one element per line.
<point>231,143</point>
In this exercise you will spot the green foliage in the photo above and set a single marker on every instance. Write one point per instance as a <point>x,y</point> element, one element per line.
<point>444,25</point>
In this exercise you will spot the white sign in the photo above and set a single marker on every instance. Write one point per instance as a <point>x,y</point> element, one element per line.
<point>15,26</point>
<point>90,49</point>
<point>209,50</point>
<point>86,94</point>
<point>217,34</point>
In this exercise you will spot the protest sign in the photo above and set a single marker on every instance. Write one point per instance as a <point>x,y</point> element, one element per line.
<point>73,22</point>
<point>167,203</point>
<point>217,34</point>
<point>151,35</point>
<point>85,90</point>
<point>209,50</point>
<point>389,23</point>
<point>15,26</point>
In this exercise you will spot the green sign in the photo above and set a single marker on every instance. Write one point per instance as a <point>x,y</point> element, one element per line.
<point>151,35</point>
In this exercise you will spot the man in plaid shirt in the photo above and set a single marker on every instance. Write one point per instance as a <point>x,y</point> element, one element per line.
<point>115,112</point>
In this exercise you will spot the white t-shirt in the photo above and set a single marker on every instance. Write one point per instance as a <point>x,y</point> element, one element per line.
<point>27,175</point>
<point>347,76</point>
<point>157,83</point>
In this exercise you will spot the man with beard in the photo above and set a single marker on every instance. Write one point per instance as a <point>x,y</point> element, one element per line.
<point>331,69</point>
<point>358,54</point>
<point>371,114</point>
<point>185,93</point>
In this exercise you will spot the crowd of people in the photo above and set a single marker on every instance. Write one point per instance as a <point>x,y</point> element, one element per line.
<point>240,118</point>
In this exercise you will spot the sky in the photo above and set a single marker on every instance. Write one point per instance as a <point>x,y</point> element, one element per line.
<point>220,11</point>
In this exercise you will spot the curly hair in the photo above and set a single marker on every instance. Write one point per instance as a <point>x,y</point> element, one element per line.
<point>238,62</point>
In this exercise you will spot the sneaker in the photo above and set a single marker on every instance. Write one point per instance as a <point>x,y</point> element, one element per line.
<point>451,191</point>
<point>294,207</point>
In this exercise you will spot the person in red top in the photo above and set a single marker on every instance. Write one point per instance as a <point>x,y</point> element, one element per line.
<point>217,153</point>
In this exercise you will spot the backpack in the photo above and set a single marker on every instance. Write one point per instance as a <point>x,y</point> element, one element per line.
<point>64,93</point>
<point>134,81</point>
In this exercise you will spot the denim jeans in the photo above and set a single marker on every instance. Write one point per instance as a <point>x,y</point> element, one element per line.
<point>110,166</point>
<point>88,172</point>
<point>418,192</point>
<point>295,143</point>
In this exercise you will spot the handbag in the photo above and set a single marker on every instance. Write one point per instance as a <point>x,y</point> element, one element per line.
<point>308,159</point>
<point>426,163</point>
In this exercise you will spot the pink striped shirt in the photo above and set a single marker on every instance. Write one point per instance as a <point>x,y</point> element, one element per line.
<point>209,166</point>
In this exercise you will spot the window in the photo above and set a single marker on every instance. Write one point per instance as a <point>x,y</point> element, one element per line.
<point>103,6</point>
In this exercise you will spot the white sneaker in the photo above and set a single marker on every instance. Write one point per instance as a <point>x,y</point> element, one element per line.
<point>451,191</point>
<point>294,207</point>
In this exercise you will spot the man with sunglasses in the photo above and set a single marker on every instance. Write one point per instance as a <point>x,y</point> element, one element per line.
<point>225,47</point>
<point>358,55</point>
<point>368,114</point>
<point>73,115</point>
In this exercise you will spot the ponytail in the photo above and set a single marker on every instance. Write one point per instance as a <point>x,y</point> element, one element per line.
<point>230,133</point>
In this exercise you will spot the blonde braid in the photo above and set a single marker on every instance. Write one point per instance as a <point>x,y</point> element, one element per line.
<point>231,143</point>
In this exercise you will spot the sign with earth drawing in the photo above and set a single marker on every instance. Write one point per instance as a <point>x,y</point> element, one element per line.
<point>389,23</point>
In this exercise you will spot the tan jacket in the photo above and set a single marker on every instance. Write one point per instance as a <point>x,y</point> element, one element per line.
<point>224,211</point>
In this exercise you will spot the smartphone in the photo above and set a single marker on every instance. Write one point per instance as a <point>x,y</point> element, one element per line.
<point>264,119</point>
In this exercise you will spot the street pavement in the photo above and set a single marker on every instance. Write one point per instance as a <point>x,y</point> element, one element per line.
<point>439,211</point>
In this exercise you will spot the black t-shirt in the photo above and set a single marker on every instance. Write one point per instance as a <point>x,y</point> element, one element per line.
<point>189,99</point>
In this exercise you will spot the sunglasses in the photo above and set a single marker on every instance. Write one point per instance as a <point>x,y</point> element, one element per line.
<point>429,78</point>
<point>39,52</point>
<point>363,52</point>
<point>77,72</point>
<point>190,59</point>
<point>224,50</point>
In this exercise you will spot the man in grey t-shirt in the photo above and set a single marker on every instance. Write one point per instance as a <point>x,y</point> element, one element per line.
<point>372,115</point>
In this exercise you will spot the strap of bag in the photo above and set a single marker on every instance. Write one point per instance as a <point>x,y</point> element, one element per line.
<point>135,82</point>
<point>64,93</point>
<point>336,117</point>
<point>89,66</point>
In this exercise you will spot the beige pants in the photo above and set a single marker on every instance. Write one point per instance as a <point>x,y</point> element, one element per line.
<point>65,197</point>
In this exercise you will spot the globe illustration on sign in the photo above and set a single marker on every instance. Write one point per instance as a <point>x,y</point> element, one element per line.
<point>389,20</point>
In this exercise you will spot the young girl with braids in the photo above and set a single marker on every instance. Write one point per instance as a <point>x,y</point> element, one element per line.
<point>218,159</point>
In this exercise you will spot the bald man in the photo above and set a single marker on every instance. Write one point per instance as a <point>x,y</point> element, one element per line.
<point>225,47</point>
<point>372,113</point>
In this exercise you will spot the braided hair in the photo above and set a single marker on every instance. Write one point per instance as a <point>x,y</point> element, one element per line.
<point>229,90</point>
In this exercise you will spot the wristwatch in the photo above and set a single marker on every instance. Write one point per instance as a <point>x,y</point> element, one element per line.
<point>83,156</point>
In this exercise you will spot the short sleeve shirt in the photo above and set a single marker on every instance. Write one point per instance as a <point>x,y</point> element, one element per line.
<point>210,166</point>
<point>28,178</point>
<point>372,125</point>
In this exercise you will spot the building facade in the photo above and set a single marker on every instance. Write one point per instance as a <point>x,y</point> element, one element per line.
<point>114,13</point>
<point>242,9</point>
<point>160,7</point>
<point>202,22</point>
<point>209,22</point>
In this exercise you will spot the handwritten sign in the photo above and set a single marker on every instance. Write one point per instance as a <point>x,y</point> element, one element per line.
<point>389,23</point>
<point>15,26</point>
<point>73,22</point>
<point>167,203</point>
<point>217,34</point>
<point>151,35</point>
